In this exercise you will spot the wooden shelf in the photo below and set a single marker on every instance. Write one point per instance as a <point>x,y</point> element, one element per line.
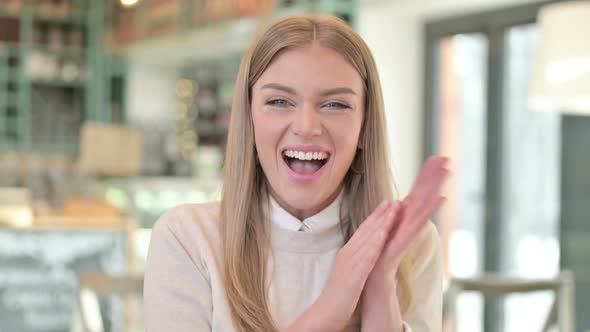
<point>86,223</point>
<point>59,83</point>
<point>67,51</point>
<point>53,223</point>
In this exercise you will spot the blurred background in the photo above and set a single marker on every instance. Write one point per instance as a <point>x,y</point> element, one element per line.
<point>113,111</point>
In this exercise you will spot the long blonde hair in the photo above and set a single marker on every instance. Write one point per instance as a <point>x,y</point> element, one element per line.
<point>244,223</point>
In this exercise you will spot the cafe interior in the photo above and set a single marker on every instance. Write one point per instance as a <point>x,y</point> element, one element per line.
<point>115,111</point>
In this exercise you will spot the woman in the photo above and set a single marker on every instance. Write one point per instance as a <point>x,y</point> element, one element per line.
<point>306,236</point>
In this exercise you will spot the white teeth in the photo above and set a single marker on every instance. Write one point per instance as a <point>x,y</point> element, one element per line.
<point>306,155</point>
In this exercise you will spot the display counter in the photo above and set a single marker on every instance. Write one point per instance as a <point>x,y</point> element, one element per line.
<point>39,267</point>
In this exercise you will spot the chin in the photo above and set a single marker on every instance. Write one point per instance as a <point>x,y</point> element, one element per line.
<point>309,200</point>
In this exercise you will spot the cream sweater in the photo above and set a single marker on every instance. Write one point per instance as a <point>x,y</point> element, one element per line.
<point>184,292</point>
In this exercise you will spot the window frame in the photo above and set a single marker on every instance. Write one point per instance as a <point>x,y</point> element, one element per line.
<point>493,24</point>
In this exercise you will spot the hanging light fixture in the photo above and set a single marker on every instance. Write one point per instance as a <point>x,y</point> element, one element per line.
<point>561,71</point>
<point>129,3</point>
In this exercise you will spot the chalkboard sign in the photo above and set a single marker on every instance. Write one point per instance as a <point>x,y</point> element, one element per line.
<point>38,275</point>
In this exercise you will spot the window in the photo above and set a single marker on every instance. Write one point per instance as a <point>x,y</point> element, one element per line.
<point>502,212</point>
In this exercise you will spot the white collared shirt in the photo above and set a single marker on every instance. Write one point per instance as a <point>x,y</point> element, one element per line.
<point>319,222</point>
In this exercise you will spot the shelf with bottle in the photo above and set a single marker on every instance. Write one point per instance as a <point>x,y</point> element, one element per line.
<point>48,49</point>
<point>44,69</point>
<point>56,55</point>
<point>55,118</point>
<point>207,103</point>
<point>58,34</point>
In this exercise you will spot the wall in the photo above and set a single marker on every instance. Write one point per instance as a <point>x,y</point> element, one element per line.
<point>575,216</point>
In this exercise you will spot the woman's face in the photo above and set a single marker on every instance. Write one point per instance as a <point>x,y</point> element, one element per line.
<point>307,109</point>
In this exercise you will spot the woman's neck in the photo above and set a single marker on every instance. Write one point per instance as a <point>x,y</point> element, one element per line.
<point>303,214</point>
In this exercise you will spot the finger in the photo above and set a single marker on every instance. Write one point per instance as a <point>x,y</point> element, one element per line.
<point>381,235</point>
<point>398,218</point>
<point>430,165</point>
<point>387,219</point>
<point>400,243</point>
<point>395,215</point>
<point>376,240</point>
<point>430,209</point>
<point>433,197</point>
<point>428,194</point>
<point>357,248</point>
<point>434,183</point>
<point>411,227</point>
<point>433,169</point>
<point>376,214</point>
<point>424,195</point>
<point>365,258</point>
<point>370,224</point>
<point>430,185</point>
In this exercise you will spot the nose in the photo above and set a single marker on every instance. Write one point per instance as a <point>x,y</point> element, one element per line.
<point>307,123</point>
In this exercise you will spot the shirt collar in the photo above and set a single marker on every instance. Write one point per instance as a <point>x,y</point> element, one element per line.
<point>325,219</point>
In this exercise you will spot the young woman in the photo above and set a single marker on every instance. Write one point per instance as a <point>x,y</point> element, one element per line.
<point>307,236</point>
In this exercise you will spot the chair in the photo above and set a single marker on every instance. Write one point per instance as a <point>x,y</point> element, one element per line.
<point>493,285</point>
<point>87,315</point>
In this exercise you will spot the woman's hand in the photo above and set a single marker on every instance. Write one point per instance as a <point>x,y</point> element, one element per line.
<point>380,307</point>
<point>353,264</point>
<point>373,253</point>
<point>415,211</point>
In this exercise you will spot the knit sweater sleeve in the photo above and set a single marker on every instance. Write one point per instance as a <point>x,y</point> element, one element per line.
<point>177,292</point>
<point>426,314</point>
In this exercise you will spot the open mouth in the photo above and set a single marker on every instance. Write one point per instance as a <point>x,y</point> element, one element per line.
<point>305,163</point>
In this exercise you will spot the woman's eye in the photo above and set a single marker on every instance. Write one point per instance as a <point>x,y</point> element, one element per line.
<point>278,102</point>
<point>336,105</point>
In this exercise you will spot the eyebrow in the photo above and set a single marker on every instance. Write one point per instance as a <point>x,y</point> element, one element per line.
<point>334,91</point>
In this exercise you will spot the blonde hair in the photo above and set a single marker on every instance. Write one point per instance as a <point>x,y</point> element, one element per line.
<point>244,223</point>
